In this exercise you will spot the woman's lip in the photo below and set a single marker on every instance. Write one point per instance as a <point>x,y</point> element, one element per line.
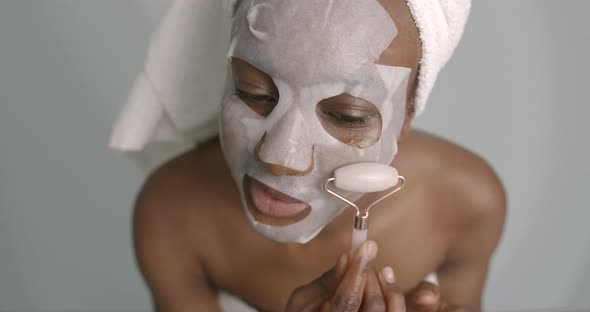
<point>272,207</point>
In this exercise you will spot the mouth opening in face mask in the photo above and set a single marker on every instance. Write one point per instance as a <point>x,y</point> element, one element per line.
<point>272,207</point>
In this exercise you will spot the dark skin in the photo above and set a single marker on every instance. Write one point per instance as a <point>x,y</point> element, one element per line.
<point>192,237</point>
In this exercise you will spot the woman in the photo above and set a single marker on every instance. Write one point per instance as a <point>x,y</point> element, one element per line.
<point>316,85</point>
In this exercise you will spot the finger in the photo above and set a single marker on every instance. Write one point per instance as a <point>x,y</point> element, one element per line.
<point>394,299</point>
<point>426,296</point>
<point>310,297</point>
<point>349,295</point>
<point>373,297</point>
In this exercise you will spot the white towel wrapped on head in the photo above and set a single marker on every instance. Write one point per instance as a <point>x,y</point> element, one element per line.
<point>441,24</point>
<point>174,103</point>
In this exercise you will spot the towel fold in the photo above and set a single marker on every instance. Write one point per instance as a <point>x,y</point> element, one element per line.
<point>174,103</point>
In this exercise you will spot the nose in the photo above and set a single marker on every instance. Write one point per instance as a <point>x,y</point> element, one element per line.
<point>287,146</point>
<point>282,169</point>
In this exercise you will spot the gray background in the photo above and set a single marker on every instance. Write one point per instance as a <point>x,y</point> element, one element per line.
<point>516,92</point>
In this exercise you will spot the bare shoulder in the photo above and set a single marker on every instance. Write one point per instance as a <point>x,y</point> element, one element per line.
<point>180,191</point>
<point>164,228</point>
<point>468,201</point>
<point>464,180</point>
<point>169,189</point>
<point>471,201</point>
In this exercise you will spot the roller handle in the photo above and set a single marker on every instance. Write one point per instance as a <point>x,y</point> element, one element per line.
<point>358,238</point>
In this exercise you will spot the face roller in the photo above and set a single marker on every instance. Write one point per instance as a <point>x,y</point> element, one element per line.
<point>364,178</point>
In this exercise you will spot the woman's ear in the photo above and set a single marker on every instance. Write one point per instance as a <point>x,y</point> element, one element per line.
<point>410,108</point>
<point>407,127</point>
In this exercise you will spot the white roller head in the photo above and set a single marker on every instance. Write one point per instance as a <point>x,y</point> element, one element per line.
<point>365,177</point>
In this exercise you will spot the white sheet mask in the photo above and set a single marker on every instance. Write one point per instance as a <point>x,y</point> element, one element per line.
<point>312,50</point>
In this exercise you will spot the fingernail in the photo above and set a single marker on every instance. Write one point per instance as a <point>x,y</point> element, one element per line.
<point>388,275</point>
<point>432,279</point>
<point>370,250</point>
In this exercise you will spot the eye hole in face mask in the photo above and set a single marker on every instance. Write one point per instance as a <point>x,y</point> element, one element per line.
<point>350,120</point>
<point>254,87</point>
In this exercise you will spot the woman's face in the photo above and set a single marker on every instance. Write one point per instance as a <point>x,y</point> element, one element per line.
<point>307,95</point>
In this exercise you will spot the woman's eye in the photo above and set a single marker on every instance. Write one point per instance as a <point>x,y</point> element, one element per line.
<point>255,97</point>
<point>351,120</point>
<point>348,120</point>
<point>262,104</point>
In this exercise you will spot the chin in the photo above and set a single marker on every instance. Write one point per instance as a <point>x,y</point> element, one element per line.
<point>282,235</point>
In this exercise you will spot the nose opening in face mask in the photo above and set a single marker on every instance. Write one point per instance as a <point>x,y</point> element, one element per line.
<point>280,169</point>
<point>287,144</point>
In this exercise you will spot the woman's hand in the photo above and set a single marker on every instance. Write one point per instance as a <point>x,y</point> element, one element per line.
<point>351,287</point>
